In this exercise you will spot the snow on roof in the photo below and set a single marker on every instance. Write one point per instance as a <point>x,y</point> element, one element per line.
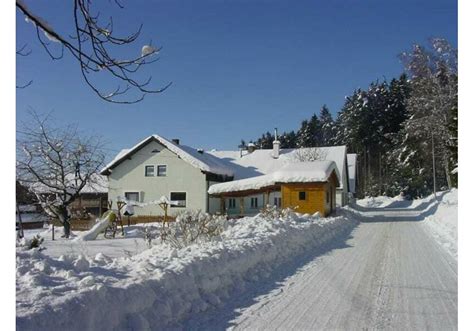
<point>296,172</point>
<point>96,184</point>
<point>351,166</point>
<point>262,162</point>
<point>27,208</point>
<point>203,161</point>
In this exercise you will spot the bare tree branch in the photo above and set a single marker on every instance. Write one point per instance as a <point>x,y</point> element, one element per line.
<point>56,164</point>
<point>92,47</point>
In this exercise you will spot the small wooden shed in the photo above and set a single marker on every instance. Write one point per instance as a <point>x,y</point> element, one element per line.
<point>307,187</point>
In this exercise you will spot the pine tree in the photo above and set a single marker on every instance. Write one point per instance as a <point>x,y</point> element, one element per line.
<point>327,126</point>
<point>433,97</point>
<point>288,140</point>
<point>453,144</point>
<point>303,136</point>
<point>310,133</point>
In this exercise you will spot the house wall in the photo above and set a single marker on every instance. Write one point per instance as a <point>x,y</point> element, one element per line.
<point>315,197</point>
<point>320,197</point>
<point>93,203</point>
<point>214,204</point>
<point>129,176</point>
<point>342,193</point>
<point>341,197</point>
<point>248,210</point>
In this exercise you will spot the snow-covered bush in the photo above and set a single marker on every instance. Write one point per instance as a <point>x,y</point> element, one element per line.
<point>34,242</point>
<point>149,235</point>
<point>192,227</point>
<point>274,213</point>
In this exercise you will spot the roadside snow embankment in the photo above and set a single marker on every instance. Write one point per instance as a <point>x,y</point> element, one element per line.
<point>162,286</point>
<point>443,224</point>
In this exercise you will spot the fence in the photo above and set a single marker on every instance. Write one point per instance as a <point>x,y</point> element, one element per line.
<point>86,224</point>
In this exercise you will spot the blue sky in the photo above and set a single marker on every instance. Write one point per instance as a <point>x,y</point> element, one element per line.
<point>239,68</point>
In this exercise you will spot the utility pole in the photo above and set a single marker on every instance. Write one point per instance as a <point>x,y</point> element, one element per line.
<point>434,165</point>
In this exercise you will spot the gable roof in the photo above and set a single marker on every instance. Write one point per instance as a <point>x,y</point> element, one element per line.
<point>204,161</point>
<point>262,162</point>
<point>295,172</point>
<point>351,165</point>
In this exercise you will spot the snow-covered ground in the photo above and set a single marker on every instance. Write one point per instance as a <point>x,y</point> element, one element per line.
<point>377,202</point>
<point>397,269</point>
<point>86,288</point>
<point>440,218</point>
<point>132,243</point>
<point>443,223</point>
<point>388,275</point>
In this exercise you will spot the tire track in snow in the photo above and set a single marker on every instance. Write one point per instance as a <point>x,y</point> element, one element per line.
<point>394,277</point>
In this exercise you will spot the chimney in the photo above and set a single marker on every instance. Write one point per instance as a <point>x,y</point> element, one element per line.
<point>276,145</point>
<point>175,140</point>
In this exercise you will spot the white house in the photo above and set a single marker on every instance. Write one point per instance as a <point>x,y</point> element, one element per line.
<point>352,173</point>
<point>157,167</point>
<point>256,162</point>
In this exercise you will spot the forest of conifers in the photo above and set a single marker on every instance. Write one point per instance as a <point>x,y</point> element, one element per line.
<point>400,129</point>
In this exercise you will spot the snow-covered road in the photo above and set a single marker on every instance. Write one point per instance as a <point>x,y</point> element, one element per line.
<point>389,274</point>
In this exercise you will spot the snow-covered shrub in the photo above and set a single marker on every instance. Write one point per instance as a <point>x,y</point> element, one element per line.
<point>34,242</point>
<point>274,213</point>
<point>149,235</point>
<point>192,227</point>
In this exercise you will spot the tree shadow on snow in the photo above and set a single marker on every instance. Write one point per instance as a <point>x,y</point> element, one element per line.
<point>406,204</point>
<point>402,205</point>
<point>396,212</point>
<point>224,317</point>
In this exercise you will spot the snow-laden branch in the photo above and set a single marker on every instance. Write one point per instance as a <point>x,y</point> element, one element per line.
<point>91,45</point>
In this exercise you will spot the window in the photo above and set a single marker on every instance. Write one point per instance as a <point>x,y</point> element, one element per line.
<point>132,196</point>
<point>232,203</point>
<point>161,170</point>
<point>149,171</point>
<point>179,198</point>
<point>327,196</point>
<point>302,195</point>
<point>254,202</point>
<point>277,201</point>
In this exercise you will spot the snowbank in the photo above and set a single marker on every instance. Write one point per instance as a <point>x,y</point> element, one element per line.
<point>443,224</point>
<point>377,202</point>
<point>98,227</point>
<point>161,287</point>
<point>439,218</point>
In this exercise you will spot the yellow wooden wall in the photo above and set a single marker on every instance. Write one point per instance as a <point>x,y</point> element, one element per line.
<point>315,196</point>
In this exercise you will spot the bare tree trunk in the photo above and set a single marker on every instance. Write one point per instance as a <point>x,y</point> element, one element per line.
<point>64,218</point>
<point>366,173</point>
<point>448,173</point>
<point>434,164</point>
<point>20,223</point>
<point>380,173</point>
<point>369,177</point>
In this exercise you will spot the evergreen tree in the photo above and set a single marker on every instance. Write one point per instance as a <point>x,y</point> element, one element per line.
<point>433,97</point>
<point>327,126</point>
<point>288,140</point>
<point>309,134</point>
<point>453,144</point>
